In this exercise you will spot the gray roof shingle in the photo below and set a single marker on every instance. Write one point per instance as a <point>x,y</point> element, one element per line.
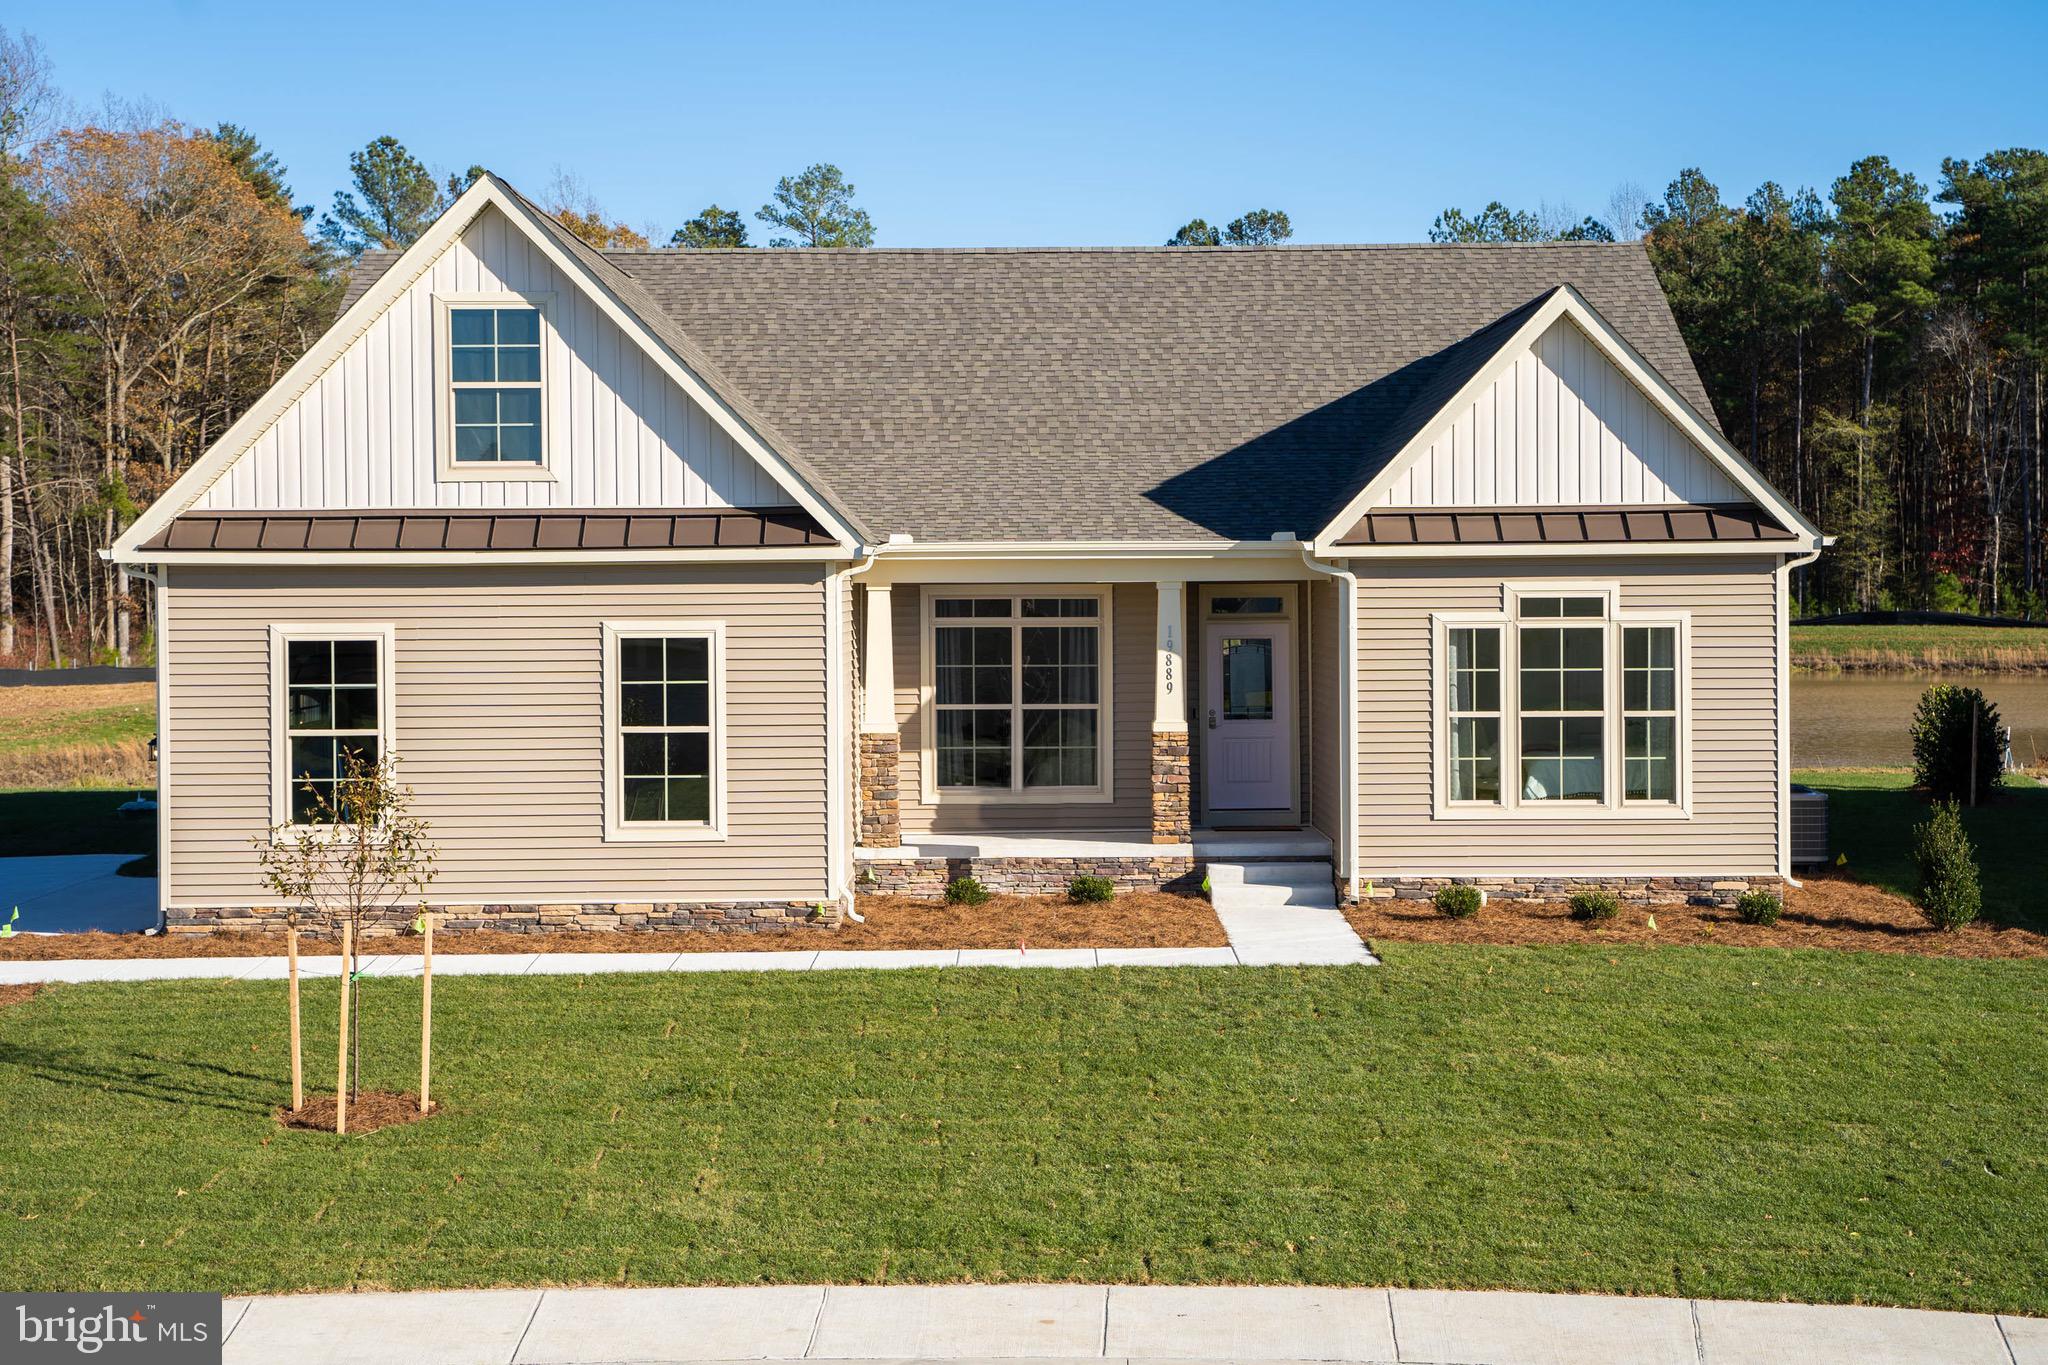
<point>1126,394</point>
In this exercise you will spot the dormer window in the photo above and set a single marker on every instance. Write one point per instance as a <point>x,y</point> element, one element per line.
<point>495,359</point>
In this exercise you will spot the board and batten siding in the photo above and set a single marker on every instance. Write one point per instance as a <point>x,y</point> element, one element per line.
<point>619,432</point>
<point>498,724</point>
<point>1133,607</point>
<point>1733,829</point>
<point>1561,426</point>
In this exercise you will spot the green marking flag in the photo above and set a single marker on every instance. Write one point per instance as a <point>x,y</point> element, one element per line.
<point>7,929</point>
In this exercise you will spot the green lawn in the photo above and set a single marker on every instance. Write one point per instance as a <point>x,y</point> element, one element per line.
<point>1742,1124</point>
<point>1814,643</point>
<point>1872,812</point>
<point>36,823</point>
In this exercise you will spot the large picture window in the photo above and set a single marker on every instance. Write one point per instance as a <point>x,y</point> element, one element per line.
<point>1017,691</point>
<point>1564,701</point>
<point>664,730</point>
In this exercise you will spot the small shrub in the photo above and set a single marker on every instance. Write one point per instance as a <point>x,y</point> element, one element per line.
<point>1594,906</point>
<point>1759,907</point>
<point>1942,736</point>
<point>965,891</point>
<point>1459,902</point>
<point>1950,896</point>
<point>1090,890</point>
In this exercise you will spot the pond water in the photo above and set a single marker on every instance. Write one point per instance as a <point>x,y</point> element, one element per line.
<point>1852,720</point>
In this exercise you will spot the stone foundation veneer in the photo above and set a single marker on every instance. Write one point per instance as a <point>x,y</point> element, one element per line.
<point>597,917</point>
<point>1648,891</point>
<point>881,808</point>
<point>1172,820</point>
<point>926,878</point>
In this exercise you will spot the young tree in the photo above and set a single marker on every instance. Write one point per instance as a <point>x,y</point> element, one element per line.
<point>817,210</point>
<point>714,227</point>
<point>395,200</point>
<point>358,855</point>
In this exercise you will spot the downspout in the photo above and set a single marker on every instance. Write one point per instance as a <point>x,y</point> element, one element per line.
<point>1784,605</point>
<point>1347,691</point>
<point>850,788</point>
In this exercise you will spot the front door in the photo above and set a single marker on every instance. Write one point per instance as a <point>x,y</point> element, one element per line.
<point>1248,717</point>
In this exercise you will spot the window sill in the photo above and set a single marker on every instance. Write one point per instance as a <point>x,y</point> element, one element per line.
<point>664,834</point>
<point>497,472</point>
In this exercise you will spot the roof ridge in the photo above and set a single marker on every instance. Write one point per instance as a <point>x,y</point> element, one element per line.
<point>815,253</point>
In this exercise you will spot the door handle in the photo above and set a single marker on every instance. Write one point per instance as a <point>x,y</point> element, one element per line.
<point>1212,718</point>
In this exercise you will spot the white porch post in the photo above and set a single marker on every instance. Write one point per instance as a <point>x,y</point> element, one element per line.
<point>881,812</point>
<point>1172,792</point>
<point>878,665</point>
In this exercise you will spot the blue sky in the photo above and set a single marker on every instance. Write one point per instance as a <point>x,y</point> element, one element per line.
<point>973,124</point>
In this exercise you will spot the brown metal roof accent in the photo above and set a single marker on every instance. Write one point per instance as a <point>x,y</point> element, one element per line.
<point>1564,525</point>
<point>691,528</point>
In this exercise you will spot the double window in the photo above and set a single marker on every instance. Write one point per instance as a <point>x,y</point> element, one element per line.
<point>333,687</point>
<point>664,730</point>
<point>494,379</point>
<point>1562,703</point>
<point>1018,686</point>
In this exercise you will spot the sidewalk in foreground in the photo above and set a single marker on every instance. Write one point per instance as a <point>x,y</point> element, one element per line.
<point>1091,1322</point>
<point>1295,938</point>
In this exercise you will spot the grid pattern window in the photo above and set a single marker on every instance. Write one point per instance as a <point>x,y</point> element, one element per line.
<point>494,368</point>
<point>1649,706</point>
<point>332,711</point>
<point>1474,710</point>
<point>1563,698</point>
<point>666,724</point>
<point>1017,693</point>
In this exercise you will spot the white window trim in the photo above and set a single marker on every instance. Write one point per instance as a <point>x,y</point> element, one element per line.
<point>448,468</point>
<point>928,707</point>
<point>1505,617</point>
<point>281,635</point>
<point>616,829</point>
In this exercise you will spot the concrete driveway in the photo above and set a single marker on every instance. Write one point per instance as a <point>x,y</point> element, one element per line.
<point>75,893</point>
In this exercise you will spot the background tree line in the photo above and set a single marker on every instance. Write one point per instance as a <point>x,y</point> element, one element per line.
<point>1877,354</point>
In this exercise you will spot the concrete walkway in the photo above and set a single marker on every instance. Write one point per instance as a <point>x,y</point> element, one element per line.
<point>1091,1322</point>
<point>1259,944</point>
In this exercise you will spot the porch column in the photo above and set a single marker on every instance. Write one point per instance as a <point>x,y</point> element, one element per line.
<point>1172,821</point>
<point>881,824</point>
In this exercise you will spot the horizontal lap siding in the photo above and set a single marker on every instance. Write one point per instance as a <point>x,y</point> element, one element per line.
<point>499,725</point>
<point>1734,824</point>
<point>1132,607</point>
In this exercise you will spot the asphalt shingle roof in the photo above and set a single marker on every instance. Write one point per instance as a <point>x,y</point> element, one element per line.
<point>1114,394</point>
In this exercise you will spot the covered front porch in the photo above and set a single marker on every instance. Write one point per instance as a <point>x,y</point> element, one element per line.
<point>1042,717</point>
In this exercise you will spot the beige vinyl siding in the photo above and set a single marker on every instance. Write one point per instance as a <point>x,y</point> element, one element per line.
<point>1132,608</point>
<point>1734,671</point>
<point>499,725</point>
<point>1561,425</point>
<point>1323,742</point>
<point>618,432</point>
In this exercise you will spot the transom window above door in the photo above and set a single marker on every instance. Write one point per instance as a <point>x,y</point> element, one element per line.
<point>1564,702</point>
<point>1018,688</point>
<point>495,385</point>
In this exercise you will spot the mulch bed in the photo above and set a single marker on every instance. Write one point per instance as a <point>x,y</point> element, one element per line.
<point>367,1112</point>
<point>1826,912</point>
<point>15,995</point>
<point>1138,919</point>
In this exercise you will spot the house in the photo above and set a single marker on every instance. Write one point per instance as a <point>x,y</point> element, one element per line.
<point>707,587</point>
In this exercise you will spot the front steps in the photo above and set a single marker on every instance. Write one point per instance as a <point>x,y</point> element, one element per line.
<point>1283,910</point>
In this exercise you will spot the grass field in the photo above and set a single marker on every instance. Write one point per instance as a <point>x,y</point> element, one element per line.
<point>1920,647</point>
<point>1872,812</point>
<point>1724,1122</point>
<point>95,736</point>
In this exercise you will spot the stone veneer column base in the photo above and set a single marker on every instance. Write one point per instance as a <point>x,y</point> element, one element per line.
<point>596,917</point>
<point>881,807</point>
<point>926,878</point>
<point>1723,891</point>
<point>1172,807</point>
